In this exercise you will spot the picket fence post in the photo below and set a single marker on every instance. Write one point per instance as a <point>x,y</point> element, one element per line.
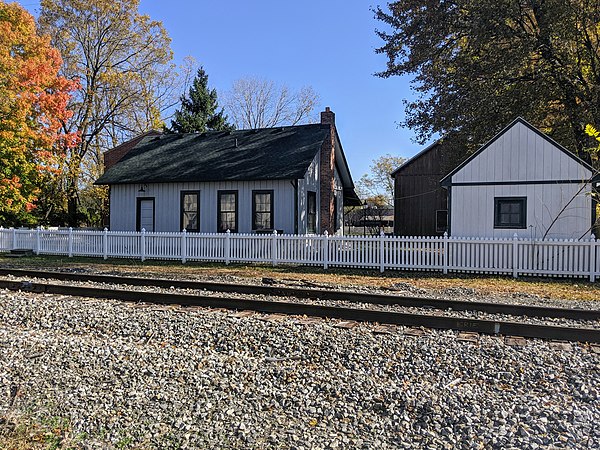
<point>183,246</point>
<point>593,258</point>
<point>70,242</point>
<point>143,245</point>
<point>515,256</point>
<point>445,256</point>
<point>325,249</point>
<point>381,251</point>
<point>37,240</point>
<point>14,238</point>
<point>274,247</point>
<point>227,247</point>
<point>105,243</point>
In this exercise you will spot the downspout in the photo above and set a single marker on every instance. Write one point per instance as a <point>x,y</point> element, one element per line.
<point>106,219</point>
<point>594,210</point>
<point>449,210</point>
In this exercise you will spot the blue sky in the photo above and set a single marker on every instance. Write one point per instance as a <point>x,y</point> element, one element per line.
<point>328,45</point>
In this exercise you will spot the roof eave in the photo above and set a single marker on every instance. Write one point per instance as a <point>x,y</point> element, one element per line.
<point>344,160</point>
<point>187,180</point>
<point>409,161</point>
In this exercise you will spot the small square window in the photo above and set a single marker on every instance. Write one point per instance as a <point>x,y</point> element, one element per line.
<point>510,212</point>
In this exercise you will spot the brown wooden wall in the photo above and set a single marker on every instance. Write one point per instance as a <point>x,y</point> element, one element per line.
<point>417,190</point>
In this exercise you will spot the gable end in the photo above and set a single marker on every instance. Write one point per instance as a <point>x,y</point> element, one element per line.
<point>447,180</point>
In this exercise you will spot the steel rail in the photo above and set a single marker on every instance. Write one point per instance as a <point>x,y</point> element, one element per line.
<point>325,294</point>
<point>333,312</point>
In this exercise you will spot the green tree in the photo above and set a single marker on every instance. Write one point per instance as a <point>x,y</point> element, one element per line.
<point>479,64</point>
<point>122,59</point>
<point>377,185</point>
<point>199,109</point>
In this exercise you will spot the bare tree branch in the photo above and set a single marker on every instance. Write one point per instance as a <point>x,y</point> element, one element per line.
<point>260,103</point>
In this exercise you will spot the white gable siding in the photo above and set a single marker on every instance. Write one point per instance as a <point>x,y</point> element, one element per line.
<point>167,204</point>
<point>310,182</point>
<point>521,155</point>
<point>521,163</point>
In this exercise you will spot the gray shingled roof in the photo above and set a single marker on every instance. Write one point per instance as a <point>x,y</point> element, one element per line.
<point>263,154</point>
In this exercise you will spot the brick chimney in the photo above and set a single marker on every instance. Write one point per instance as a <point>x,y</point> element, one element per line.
<point>327,169</point>
<point>328,116</point>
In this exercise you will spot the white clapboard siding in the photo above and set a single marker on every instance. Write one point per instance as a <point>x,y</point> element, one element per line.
<point>509,256</point>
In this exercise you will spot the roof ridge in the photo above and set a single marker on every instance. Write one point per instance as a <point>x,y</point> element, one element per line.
<point>247,129</point>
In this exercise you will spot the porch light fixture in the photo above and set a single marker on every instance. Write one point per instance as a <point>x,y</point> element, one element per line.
<point>142,189</point>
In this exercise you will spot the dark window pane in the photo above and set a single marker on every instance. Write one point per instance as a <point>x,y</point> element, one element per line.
<point>312,202</point>
<point>227,202</point>
<point>227,219</point>
<point>190,220</point>
<point>262,221</point>
<point>441,221</point>
<point>262,209</point>
<point>190,202</point>
<point>311,212</point>
<point>510,213</point>
<point>262,202</point>
<point>189,211</point>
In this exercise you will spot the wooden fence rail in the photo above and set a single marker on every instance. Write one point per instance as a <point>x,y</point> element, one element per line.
<point>516,256</point>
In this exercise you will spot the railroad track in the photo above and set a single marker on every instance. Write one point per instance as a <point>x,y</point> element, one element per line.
<point>324,294</point>
<point>493,327</point>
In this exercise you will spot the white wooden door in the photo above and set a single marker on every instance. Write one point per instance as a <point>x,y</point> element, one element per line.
<point>146,214</point>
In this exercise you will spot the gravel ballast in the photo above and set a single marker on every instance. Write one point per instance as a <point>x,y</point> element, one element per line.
<point>162,377</point>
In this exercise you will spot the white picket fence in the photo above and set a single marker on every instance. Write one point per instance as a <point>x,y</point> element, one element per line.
<point>516,256</point>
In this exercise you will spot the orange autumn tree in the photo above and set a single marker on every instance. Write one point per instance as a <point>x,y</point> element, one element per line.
<point>33,107</point>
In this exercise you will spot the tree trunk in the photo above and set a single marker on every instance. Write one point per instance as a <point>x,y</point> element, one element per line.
<point>72,202</point>
<point>74,169</point>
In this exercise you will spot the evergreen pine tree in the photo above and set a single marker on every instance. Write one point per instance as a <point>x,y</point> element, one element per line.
<point>199,109</point>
